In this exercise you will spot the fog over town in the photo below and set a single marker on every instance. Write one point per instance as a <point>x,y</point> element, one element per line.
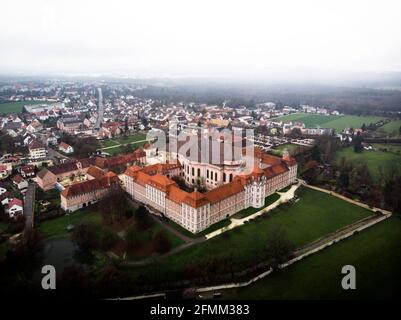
<point>207,38</point>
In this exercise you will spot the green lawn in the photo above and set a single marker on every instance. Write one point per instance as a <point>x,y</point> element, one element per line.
<point>391,128</point>
<point>374,253</point>
<point>15,106</point>
<point>213,227</point>
<point>120,149</point>
<point>57,227</point>
<point>251,210</point>
<point>350,121</point>
<point>131,138</point>
<point>147,237</point>
<point>336,122</point>
<point>123,140</point>
<point>310,120</point>
<point>376,160</point>
<point>293,149</point>
<point>109,143</point>
<point>315,215</point>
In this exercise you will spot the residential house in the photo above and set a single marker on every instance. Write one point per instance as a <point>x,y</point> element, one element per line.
<point>83,194</point>
<point>66,148</point>
<point>48,177</point>
<point>70,125</point>
<point>3,171</point>
<point>15,208</point>
<point>36,150</point>
<point>34,126</point>
<point>27,171</point>
<point>20,182</point>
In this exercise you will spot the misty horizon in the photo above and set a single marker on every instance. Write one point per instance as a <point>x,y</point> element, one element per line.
<point>284,41</point>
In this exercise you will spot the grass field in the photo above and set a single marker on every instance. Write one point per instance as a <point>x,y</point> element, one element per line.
<point>123,140</point>
<point>376,160</point>
<point>374,253</point>
<point>120,149</point>
<point>251,210</point>
<point>315,215</point>
<point>146,237</point>
<point>15,106</point>
<point>57,227</point>
<point>336,122</point>
<point>213,227</point>
<point>291,148</point>
<point>116,143</point>
<point>391,128</point>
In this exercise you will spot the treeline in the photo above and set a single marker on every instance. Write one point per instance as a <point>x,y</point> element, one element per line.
<point>359,101</point>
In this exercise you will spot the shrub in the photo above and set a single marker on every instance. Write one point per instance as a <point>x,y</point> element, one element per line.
<point>86,236</point>
<point>161,243</point>
<point>108,239</point>
<point>133,239</point>
<point>142,218</point>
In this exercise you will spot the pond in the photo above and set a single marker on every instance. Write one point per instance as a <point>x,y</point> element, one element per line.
<point>60,253</point>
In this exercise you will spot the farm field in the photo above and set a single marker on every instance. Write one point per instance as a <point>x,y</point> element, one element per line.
<point>316,214</point>
<point>336,122</point>
<point>377,260</point>
<point>15,106</point>
<point>392,128</point>
<point>376,160</point>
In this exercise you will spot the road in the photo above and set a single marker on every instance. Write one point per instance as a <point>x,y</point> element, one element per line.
<point>55,156</point>
<point>100,110</point>
<point>29,206</point>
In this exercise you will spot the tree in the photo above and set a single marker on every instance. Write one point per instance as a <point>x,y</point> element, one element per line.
<point>142,218</point>
<point>315,153</point>
<point>128,148</point>
<point>126,126</point>
<point>113,206</point>
<point>296,133</point>
<point>161,243</point>
<point>133,239</point>
<point>200,185</point>
<point>358,143</point>
<point>85,235</point>
<point>363,128</point>
<point>108,239</point>
<point>399,130</point>
<point>144,122</point>
<point>278,247</point>
<point>311,171</point>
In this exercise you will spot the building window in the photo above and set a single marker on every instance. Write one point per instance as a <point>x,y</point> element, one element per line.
<point>224,177</point>
<point>215,176</point>
<point>193,171</point>
<point>207,173</point>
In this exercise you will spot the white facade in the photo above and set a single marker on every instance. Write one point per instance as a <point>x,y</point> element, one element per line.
<point>38,153</point>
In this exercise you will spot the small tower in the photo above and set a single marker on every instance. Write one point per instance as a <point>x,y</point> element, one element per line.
<point>286,155</point>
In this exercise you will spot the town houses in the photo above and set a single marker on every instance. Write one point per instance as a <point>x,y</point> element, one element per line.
<point>83,194</point>
<point>66,148</point>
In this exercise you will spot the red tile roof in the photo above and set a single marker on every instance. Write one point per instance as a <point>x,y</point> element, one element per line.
<point>15,201</point>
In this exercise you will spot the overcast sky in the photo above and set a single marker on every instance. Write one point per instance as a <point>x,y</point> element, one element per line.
<point>207,37</point>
